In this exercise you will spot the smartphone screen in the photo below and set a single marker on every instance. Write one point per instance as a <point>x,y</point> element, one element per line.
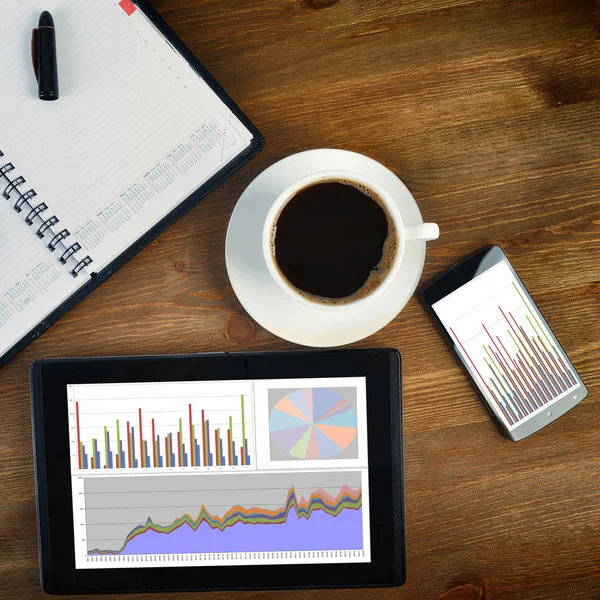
<point>508,348</point>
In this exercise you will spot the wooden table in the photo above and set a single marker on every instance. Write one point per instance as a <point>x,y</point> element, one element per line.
<point>489,111</point>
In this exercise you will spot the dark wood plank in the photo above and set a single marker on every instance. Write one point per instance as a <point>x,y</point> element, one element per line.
<point>489,111</point>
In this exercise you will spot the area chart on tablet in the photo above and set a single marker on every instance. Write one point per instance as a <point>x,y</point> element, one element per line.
<point>208,515</point>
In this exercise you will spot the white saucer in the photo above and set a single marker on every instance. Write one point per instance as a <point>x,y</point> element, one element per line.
<point>276,310</point>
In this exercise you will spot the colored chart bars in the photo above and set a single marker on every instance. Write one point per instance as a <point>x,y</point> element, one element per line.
<point>134,443</point>
<point>524,371</point>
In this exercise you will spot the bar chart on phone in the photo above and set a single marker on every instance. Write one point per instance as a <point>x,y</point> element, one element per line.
<point>507,346</point>
<point>182,426</point>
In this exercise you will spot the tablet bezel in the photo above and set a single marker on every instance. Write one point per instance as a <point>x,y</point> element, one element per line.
<point>382,369</point>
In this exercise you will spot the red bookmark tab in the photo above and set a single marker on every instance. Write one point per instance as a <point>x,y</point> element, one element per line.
<point>128,6</point>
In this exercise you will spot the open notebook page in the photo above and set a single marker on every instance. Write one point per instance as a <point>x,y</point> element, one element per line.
<point>135,130</point>
<point>33,283</point>
<point>134,133</point>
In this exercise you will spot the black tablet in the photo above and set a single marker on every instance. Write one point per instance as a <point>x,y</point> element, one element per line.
<point>219,471</point>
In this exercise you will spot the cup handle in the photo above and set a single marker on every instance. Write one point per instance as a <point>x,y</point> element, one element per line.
<point>424,231</point>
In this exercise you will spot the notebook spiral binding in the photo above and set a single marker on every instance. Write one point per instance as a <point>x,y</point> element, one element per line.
<point>23,202</point>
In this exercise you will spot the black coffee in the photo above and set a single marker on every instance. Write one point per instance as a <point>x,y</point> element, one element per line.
<point>334,242</point>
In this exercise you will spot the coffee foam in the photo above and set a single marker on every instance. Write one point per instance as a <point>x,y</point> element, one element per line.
<point>378,274</point>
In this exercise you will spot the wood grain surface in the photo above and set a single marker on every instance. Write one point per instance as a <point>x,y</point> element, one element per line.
<point>488,110</point>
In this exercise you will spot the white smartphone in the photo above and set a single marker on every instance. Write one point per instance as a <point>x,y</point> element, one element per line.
<point>520,370</point>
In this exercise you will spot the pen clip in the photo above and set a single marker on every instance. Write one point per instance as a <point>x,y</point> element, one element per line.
<point>34,52</point>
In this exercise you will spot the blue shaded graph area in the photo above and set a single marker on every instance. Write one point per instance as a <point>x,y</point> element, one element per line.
<point>321,532</point>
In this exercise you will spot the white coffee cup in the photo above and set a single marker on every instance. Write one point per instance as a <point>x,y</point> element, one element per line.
<point>406,234</point>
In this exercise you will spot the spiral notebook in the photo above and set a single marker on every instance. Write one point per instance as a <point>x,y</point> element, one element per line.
<point>140,133</point>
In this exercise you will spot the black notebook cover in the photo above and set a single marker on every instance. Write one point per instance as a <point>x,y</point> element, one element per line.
<point>255,147</point>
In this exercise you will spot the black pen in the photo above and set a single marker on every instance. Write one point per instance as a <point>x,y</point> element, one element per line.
<point>43,50</point>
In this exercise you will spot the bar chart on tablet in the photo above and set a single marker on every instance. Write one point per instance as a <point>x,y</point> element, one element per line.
<point>507,346</point>
<point>179,428</point>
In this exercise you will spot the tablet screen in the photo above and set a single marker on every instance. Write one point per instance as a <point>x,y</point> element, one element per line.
<point>243,472</point>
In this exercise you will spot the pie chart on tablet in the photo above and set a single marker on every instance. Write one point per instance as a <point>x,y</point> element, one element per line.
<point>313,424</point>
